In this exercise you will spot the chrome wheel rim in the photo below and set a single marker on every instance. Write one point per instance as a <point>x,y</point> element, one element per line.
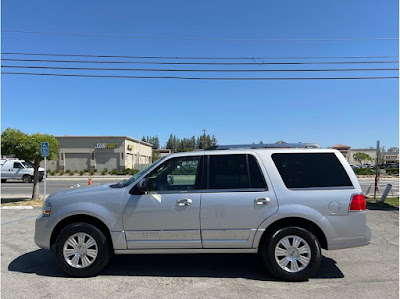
<point>292,254</point>
<point>80,250</point>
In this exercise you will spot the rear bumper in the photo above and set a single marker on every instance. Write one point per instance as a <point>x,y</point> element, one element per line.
<point>350,242</point>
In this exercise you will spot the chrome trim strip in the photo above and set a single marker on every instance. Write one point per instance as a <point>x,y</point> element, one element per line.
<point>323,188</point>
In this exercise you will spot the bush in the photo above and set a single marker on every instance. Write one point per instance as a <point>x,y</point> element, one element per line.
<point>129,171</point>
<point>392,171</point>
<point>81,172</point>
<point>86,170</point>
<point>91,172</point>
<point>364,171</point>
<point>53,172</point>
<point>104,172</point>
<point>61,172</point>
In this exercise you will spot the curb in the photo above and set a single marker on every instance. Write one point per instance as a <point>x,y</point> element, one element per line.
<point>17,208</point>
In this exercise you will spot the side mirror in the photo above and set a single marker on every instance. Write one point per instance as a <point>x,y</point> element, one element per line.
<point>143,185</point>
<point>170,179</point>
<point>140,188</point>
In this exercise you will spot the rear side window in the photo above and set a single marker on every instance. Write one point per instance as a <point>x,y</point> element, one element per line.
<point>228,172</point>
<point>313,170</point>
<point>234,172</point>
<point>256,177</point>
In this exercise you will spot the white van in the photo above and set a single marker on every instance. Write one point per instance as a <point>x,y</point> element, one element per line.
<point>15,169</point>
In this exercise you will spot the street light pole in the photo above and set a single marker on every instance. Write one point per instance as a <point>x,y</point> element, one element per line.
<point>376,168</point>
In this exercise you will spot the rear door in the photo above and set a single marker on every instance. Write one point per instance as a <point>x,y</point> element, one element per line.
<point>238,199</point>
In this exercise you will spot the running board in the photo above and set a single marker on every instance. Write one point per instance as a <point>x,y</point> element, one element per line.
<point>184,251</point>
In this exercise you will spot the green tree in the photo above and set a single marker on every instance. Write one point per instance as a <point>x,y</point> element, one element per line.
<point>393,150</point>
<point>361,157</point>
<point>27,147</point>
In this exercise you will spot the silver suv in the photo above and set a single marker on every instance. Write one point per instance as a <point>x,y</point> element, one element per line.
<point>284,202</point>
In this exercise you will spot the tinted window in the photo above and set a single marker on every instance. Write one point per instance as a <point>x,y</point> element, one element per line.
<point>176,174</point>
<point>228,172</point>
<point>311,170</point>
<point>17,165</point>
<point>256,177</point>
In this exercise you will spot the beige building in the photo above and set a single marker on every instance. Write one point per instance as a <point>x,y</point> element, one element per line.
<point>348,153</point>
<point>101,153</point>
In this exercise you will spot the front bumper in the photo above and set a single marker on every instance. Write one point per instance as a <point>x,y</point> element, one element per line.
<point>43,232</point>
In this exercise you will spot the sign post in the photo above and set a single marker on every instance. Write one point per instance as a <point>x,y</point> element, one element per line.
<point>44,152</point>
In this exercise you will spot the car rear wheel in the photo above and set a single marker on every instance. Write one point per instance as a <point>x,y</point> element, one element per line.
<point>291,253</point>
<point>82,250</point>
<point>27,178</point>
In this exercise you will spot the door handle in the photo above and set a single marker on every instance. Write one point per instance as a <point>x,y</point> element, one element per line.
<point>262,201</point>
<point>184,202</point>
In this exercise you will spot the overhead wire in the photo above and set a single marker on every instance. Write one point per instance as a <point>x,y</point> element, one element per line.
<point>198,78</point>
<point>195,70</point>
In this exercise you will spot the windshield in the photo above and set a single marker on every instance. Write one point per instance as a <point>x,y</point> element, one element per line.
<point>129,181</point>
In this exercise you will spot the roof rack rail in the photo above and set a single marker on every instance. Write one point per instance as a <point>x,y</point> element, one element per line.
<point>270,145</point>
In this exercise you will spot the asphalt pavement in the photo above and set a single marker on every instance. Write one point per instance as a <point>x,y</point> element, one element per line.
<point>364,272</point>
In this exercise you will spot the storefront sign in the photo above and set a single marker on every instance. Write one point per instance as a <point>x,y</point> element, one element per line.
<point>106,145</point>
<point>130,147</point>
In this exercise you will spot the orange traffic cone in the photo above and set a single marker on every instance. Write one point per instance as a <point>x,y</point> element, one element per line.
<point>90,182</point>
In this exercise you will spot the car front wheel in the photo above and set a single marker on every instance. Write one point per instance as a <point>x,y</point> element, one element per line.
<point>82,250</point>
<point>291,253</point>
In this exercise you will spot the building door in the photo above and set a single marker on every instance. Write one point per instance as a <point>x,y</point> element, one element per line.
<point>77,161</point>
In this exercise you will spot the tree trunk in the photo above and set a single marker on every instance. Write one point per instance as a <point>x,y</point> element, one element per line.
<point>35,192</point>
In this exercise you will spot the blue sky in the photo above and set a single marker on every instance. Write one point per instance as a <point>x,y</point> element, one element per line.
<point>353,112</point>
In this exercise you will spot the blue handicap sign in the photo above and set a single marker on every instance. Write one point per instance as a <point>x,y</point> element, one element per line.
<point>45,149</point>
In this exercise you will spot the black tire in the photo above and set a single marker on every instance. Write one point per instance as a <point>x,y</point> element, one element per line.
<point>3,181</point>
<point>27,178</point>
<point>103,246</point>
<point>267,252</point>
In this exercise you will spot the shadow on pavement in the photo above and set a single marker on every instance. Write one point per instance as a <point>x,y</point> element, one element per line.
<point>43,262</point>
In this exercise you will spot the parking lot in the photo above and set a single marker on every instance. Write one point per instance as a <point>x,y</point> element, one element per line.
<point>365,272</point>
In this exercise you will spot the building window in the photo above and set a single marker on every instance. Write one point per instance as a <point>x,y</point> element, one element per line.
<point>61,156</point>
<point>92,156</point>
<point>122,156</point>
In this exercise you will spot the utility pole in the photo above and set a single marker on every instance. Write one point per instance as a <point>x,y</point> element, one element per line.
<point>204,138</point>
<point>376,168</point>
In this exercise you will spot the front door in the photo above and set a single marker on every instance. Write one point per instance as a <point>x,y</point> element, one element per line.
<point>168,215</point>
<point>236,202</point>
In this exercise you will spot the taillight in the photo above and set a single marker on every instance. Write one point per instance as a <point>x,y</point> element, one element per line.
<point>358,203</point>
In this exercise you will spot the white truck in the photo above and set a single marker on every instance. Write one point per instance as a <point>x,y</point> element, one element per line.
<point>15,169</point>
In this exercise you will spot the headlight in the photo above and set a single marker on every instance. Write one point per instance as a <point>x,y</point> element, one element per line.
<point>46,210</point>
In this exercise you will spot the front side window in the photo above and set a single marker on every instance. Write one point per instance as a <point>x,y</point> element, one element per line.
<point>176,174</point>
<point>18,165</point>
<point>311,170</point>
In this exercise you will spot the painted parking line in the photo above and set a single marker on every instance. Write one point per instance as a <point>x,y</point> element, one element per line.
<point>19,220</point>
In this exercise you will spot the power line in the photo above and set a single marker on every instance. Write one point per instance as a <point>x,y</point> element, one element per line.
<point>197,63</point>
<point>193,58</point>
<point>194,70</point>
<point>198,78</point>
<point>207,39</point>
